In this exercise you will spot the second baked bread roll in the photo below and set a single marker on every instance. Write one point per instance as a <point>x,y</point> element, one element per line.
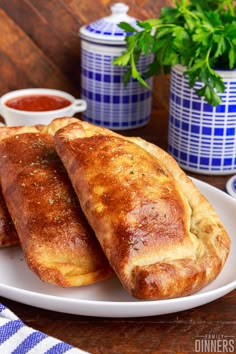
<point>58,243</point>
<point>8,234</point>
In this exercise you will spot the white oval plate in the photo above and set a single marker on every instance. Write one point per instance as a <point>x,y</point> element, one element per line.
<point>107,298</point>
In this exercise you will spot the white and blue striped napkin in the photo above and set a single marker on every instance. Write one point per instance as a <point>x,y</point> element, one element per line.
<point>17,338</point>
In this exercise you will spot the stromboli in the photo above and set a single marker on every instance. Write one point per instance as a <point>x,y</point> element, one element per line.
<point>59,245</point>
<point>8,234</point>
<point>161,236</point>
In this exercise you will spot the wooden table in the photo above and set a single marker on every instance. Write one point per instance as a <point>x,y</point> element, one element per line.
<point>173,333</point>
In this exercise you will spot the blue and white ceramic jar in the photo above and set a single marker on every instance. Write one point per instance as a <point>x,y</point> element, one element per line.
<point>110,103</point>
<point>202,138</point>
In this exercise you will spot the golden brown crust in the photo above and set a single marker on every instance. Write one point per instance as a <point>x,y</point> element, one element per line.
<point>6,132</point>
<point>161,236</point>
<point>59,245</point>
<point>8,234</point>
<point>205,224</point>
<point>56,124</point>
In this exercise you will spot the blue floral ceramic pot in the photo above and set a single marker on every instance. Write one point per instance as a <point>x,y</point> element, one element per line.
<point>110,103</point>
<point>202,138</point>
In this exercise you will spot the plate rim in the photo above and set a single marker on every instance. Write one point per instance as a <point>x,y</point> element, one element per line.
<point>207,296</point>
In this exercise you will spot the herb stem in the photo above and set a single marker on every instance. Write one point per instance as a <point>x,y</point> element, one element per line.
<point>230,6</point>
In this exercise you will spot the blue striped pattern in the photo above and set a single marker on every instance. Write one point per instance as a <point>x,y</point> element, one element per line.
<point>231,186</point>
<point>109,102</point>
<point>105,28</point>
<point>17,338</point>
<point>108,28</point>
<point>202,138</point>
<point>234,184</point>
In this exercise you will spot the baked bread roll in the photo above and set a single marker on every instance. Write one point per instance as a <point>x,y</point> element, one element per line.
<point>56,124</point>
<point>8,234</point>
<point>161,236</point>
<point>58,243</point>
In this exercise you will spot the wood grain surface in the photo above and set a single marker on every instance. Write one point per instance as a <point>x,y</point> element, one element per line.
<point>40,43</point>
<point>174,333</point>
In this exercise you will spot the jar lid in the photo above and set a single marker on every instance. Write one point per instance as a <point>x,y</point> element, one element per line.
<point>107,30</point>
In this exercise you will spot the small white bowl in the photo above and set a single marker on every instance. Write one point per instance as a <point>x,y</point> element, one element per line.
<point>16,117</point>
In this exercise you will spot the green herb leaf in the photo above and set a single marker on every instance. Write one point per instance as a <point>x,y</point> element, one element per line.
<point>168,14</point>
<point>127,27</point>
<point>198,34</point>
<point>123,60</point>
<point>232,57</point>
<point>146,43</point>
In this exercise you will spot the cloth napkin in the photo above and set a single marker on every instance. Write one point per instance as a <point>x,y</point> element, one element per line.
<point>17,338</point>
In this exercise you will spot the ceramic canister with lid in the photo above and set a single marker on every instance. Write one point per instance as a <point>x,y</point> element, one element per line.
<point>111,103</point>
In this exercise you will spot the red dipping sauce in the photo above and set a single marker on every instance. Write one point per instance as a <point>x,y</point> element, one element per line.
<point>38,103</point>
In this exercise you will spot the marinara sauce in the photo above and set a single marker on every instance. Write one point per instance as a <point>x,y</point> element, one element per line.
<point>38,103</point>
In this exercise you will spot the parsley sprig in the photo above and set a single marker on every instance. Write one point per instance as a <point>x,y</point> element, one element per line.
<point>198,34</point>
